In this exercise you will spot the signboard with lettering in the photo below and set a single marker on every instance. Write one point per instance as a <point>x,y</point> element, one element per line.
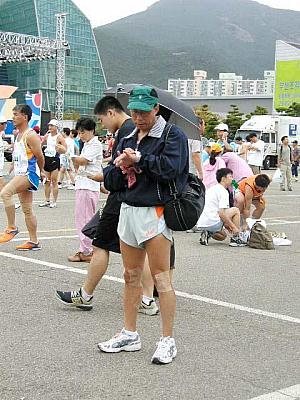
<point>287,83</point>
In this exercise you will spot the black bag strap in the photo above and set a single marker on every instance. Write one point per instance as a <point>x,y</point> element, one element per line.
<point>172,184</point>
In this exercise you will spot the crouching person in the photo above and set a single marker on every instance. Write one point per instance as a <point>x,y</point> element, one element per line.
<point>251,191</point>
<point>217,214</point>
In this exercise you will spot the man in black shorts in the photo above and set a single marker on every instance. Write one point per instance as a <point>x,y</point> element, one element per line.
<point>55,145</point>
<point>112,115</point>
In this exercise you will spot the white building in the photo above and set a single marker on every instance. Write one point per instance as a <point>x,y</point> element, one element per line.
<point>199,75</point>
<point>182,87</point>
<point>228,84</point>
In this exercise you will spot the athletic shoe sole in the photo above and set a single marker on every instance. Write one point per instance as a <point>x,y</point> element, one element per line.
<point>34,249</point>
<point>128,348</point>
<point>157,361</point>
<point>84,307</point>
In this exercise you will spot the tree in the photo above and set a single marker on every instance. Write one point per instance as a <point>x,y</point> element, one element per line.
<point>211,119</point>
<point>258,111</point>
<point>293,110</point>
<point>234,119</point>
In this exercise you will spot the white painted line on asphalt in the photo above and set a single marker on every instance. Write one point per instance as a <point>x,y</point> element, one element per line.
<point>279,218</point>
<point>53,230</point>
<point>207,300</point>
<point>283,222</point>
<point>283,196</point>
<point>290,393</point>
<point>46,238</point>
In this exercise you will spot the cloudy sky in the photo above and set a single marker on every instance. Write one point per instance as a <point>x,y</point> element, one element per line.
<point>99,14</point>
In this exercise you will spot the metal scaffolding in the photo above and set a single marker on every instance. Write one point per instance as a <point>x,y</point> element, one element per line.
<point>60,67</point>
<point>17,47</point>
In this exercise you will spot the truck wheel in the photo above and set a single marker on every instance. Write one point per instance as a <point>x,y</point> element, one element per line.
<point>267,163</point>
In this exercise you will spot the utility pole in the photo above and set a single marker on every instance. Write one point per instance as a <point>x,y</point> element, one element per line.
<point>60,68</point>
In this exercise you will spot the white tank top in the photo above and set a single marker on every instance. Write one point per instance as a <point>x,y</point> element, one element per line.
<point>50,150</point>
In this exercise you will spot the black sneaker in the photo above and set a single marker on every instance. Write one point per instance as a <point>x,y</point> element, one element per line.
<point>204,238</point>
<point>237,242</point>
<point>74,299</point>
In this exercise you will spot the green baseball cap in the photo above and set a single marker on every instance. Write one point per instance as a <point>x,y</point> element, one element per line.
<point>143,98</point>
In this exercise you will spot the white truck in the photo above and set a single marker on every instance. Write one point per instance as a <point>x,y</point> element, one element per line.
<point>270,129</point>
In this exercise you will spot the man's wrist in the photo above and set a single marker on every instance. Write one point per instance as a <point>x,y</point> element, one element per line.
<point>138,155</point>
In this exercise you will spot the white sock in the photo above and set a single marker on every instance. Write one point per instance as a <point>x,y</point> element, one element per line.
<point>147,300</point>
<point>85,295</point>
<point>129,333</point>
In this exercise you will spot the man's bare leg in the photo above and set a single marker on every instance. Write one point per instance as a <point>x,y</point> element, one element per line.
<point>133,260</point>
<point>96,269</point>
<point>54,181</point>
<point>159,262</point>
<point>147,280</point>
<point>30,219</point>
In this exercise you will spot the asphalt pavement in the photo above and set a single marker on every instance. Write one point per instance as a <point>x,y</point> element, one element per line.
<point>237,325</point>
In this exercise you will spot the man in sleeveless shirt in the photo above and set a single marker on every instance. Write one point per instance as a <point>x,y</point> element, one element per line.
<point>56,145</point>
<point>28,161</point>
<point>251,191</point>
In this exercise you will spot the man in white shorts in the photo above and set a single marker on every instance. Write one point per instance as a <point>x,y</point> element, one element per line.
<point>217,213</point>
<point>140,174</point>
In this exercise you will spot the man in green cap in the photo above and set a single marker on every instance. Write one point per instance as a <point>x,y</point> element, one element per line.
<point>141,174</point>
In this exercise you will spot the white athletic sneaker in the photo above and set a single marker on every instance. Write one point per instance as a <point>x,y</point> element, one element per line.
<point>45,204</point>
<point>71,187</point>
<point>150,309</point>
<point>121,342</point>
<point>166,351</point>
<point>53,205</point>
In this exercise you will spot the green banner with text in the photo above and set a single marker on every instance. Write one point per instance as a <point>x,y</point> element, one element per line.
<point>287,83</point>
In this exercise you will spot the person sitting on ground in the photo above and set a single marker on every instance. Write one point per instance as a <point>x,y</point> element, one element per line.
<point>212,165</point>
<point>251,191</point>
<point>217,213</point>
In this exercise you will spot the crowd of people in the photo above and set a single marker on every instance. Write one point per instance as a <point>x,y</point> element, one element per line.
<point>141,163</point>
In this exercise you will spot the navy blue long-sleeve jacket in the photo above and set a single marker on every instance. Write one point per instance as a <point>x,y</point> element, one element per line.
<point>161,161</point>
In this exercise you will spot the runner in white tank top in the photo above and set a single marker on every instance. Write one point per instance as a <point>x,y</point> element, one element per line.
<point>56,145</point>
<point>28,161</point>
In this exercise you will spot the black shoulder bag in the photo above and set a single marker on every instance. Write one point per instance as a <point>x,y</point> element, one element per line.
<point>183,211</point>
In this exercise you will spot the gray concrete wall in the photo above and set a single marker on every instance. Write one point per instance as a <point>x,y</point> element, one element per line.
<point>221,105</point>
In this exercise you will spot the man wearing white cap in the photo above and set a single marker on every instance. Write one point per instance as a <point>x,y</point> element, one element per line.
<point>2,132</point>
<point>222,134</point>
<point>56,145</point>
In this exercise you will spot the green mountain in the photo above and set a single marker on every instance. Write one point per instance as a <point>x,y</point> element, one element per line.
<point>173,37</point>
